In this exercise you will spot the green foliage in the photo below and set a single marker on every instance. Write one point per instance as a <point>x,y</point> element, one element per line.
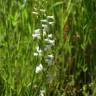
<point>68,64</point>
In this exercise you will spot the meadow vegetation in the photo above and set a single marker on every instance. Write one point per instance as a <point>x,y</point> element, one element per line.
<point>47,47</point>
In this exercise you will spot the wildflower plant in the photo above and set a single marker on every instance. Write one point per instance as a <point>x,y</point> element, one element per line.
<point>44,43</point>
<point>45,40</point>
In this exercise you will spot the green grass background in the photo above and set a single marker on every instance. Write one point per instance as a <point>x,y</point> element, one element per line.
<point>74,61</point>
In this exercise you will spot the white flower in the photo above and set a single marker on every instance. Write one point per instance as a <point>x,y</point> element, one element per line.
<point>50,36</point>
<point>39,51</point>
<point>47,40</point>
<point>51,23</point>
<point>44,21</point>
<point>36,36</point>
<point>35,54</point>
<point>45,27</point>
<point>50,17</point>
<point>39,68</point>
<point>42,92</point>
<point>44,32</point>
<point>49,59</point>
<point>50,41</point>
<point>50,20</point>
<point>42,10</point>
<point>51,56</point>
<point>37,31</point>
<point>35,13</point>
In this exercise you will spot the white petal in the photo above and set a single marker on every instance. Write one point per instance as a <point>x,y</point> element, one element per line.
<point>51,56</point>
<point>35,13</point>
<point>36,36</point>
<point>50,17</point>
<point>44,21</point>
<point>39,68</point>
<point>37,31</point>
<point>35,54</point>
<point>50,36</point>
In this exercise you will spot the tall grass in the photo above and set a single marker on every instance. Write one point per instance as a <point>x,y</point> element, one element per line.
<point>47,47</point>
